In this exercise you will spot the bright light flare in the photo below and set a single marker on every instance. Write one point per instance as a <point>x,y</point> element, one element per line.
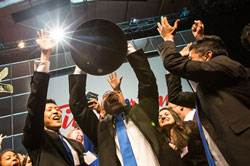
<point>21,44</point>
<point>57,34</point>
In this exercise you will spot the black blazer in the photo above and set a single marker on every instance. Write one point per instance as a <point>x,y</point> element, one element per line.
<point>223,99</point>
<point>175,93</point>
<point>44,147</point>
<point>144,115</point>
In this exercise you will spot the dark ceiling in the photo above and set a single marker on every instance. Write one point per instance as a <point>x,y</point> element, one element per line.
<point>21,20</point>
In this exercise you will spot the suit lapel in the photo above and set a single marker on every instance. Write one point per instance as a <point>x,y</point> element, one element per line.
<point>109,122</point>
<point>78,147</point>
<point>59,145</point>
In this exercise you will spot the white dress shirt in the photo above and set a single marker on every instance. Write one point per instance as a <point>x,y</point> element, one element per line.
<point>190,116</point>
<point>143,151</point>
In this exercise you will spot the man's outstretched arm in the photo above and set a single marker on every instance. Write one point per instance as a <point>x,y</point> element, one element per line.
<point>83,115</point>
<point>34,124</point>
<point>147,83</point>
<point>175,93</point>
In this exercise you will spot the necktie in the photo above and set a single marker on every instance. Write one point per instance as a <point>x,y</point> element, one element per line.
<point>67,148</point>
<point>125,146</point>
<point>204,141</point>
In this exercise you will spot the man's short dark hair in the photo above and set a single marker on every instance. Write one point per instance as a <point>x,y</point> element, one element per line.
<point>244,35</point>
<point>50,101</point>
<point>210,43</point>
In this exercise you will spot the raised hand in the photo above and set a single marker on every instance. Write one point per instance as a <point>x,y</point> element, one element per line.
<point>167,31</point>
<point>1,140</point>
<point>198,29</point>
<point>94,104</point>
<point>46,44</point>
<point>114,82</point>
<point>185,51</point>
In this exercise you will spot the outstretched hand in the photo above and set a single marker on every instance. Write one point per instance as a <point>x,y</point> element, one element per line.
<point>114,82</point>
<point>46,44</point>
<point>198,29</point>
<point>185,51</point>
<point>167,31</point>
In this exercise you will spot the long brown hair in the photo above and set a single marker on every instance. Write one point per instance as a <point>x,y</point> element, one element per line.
<point>181,132</point>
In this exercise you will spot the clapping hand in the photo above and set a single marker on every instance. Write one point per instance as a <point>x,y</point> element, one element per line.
<point>167,31</point>
<point>185,51</point>
<point>198,29</point>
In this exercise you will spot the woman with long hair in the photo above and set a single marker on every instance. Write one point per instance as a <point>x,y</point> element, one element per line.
<point>183,137</point>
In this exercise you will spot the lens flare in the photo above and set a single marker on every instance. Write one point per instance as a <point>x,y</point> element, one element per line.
<point>57,34</point>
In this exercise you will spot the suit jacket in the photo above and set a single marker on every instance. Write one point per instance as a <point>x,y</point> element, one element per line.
<point>43,146</point>
<point>144,115</point>
<point>175,93</point>
<point>223,95</point>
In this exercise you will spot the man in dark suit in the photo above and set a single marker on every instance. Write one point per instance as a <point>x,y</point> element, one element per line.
<point>223,91</point>
<point>41,137</point>
<point>140,120</point>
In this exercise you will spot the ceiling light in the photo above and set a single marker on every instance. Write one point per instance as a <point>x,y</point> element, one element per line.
<point>21,44</point>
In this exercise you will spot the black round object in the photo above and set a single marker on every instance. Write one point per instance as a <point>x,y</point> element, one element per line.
<point>98,47</point>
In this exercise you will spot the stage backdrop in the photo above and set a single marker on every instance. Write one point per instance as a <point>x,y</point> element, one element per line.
<point>13,107</point>
<point>58,88</point>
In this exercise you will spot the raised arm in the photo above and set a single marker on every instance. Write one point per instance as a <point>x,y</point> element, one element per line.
<point>198,71</point>
<point>83,115</point>
<point>147,81</point>
<point>34,124</point>
<point>175,93</point>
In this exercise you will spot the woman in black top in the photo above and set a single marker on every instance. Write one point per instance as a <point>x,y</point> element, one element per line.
<point>184,137</point>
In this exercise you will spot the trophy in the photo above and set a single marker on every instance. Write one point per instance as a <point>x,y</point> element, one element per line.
<point>98,47</point>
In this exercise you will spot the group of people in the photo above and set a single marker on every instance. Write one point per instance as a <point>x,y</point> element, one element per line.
<point>210,126</point>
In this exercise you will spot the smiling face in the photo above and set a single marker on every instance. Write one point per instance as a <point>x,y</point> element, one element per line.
<point>77,135</point>
<point>52,117</point>
<point>9,159</point>
<point>165,118</point>
<point>112,103</point>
